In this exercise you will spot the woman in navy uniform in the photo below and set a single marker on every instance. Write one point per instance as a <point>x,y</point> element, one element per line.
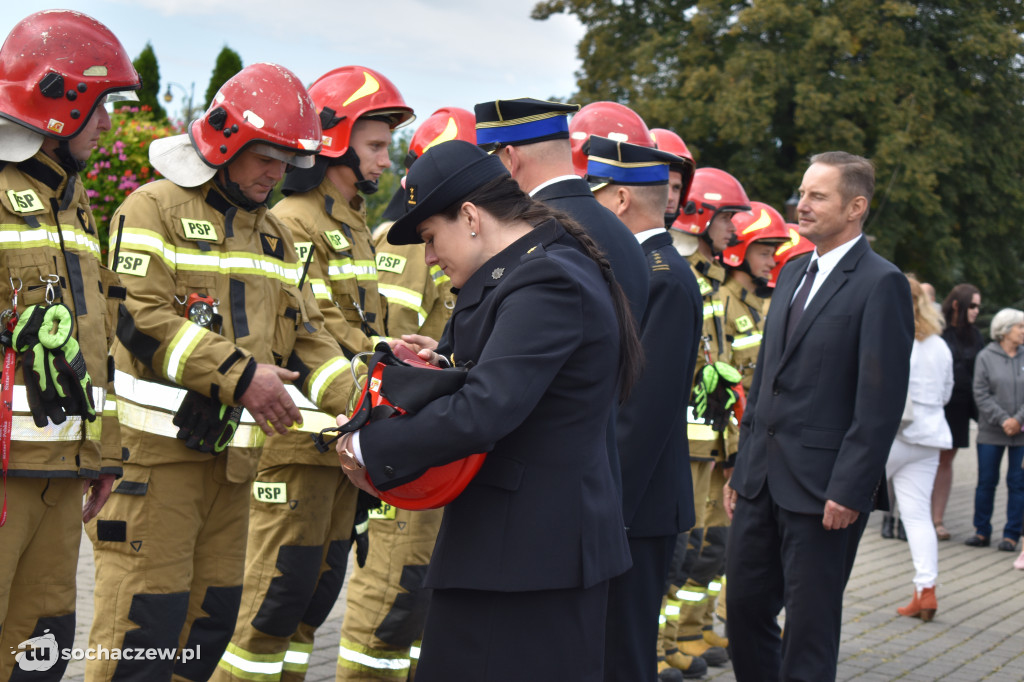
<point>522,563</point>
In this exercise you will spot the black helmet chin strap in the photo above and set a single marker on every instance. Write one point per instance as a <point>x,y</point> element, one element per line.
<point>67,160</point>
<point>351,159</point>
<point>234,192</point>
<point>670,218</point>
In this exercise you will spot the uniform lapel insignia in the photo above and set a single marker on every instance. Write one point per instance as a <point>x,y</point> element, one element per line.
<point>272,245</point>
<point>497,273</point>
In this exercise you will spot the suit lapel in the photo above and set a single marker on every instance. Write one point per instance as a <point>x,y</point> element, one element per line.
<point>832,284</point>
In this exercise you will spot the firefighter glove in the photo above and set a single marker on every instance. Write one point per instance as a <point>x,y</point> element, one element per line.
<point>42,397</point>
<point>361,525</point>
<point>713,396</point>
<point>205,424</point>
<point>65,365</point>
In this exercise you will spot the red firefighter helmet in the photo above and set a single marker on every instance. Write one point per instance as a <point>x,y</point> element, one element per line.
<point>345,94</point>
<point>605,119</point>
<point>56,66</point>
<point>263,104</point>
<point>712,191</point>
<point>793,247</point>
<point>761,224</point>
<point>395,385</point>
<point>668,141</point>
<point>447,123</point>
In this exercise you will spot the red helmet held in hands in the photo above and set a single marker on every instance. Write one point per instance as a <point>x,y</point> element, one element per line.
<point>447,123</point>
<point>712,191</point>
<point>605,119</point>
<point>761,224</point>
<point>56,66</point>
<point>346,94</point>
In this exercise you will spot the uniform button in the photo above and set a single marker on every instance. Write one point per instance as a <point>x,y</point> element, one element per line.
<point>775,392</point>
<point>771,432</point>
<point>389,471</point>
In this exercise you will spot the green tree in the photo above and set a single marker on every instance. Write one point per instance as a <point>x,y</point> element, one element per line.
<point>149,71</point>
<point>932,92</point>
<point>228,64</point>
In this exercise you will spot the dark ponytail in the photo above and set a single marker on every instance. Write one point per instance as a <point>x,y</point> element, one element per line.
<point>503,199</point>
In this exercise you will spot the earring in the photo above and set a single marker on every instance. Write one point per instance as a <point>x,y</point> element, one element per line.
<point>472,234</point>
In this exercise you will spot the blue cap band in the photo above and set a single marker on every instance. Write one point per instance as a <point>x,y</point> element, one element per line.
<point>510,132</point>
<point>655,173</point>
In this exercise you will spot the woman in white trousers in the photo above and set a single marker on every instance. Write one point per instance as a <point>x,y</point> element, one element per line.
<point>914,457</point>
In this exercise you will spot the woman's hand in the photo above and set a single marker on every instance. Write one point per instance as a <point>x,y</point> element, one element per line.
<point>422,346</point>
<point>355,471</point>
<point>1011,427</point>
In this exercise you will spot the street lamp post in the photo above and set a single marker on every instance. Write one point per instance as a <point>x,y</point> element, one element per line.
<point>189,98</point>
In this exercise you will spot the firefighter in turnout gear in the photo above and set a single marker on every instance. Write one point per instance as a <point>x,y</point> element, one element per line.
<point>298,545</point>
<point>386,604</point>
<point>748,265</point>
<point>214,321</point>
<point>706,230</point>
<point>57,420</point>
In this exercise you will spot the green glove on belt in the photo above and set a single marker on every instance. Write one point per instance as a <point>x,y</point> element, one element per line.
<point>57,382</point>
<point>713,397</point>
<point>205,424</point>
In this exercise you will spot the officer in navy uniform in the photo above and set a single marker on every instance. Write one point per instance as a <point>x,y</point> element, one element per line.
<point>632,182</point>
<point>524,555</point>
<point>531,137</point>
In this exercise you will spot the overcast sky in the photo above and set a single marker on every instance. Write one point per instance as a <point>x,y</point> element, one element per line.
<point>437,52</point>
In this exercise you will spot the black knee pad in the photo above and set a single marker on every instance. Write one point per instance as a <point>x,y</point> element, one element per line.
<point>288,594</point>
<point>160,618</point>
<point>210,635</point>
<point>404,623</point>
<point>44,662</point>
<point>329,586</point>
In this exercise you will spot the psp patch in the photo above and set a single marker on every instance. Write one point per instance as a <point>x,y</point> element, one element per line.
<point>336,240</point>
<point>302,250</point>
<point>272,493</point>
<point>25,201</point>
<point>198,230</point>
<point>132,264</point>
<point>389,262</point>
<point>744,323</point>
<point>385,512</point>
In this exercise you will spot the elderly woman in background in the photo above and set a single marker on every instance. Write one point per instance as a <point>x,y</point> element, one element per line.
<point>914,457</point>
<point>999,393</point>
<point>960,309</point>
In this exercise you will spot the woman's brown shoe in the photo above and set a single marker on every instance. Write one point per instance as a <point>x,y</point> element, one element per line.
<point>922,606</point>
<point>941,532</point>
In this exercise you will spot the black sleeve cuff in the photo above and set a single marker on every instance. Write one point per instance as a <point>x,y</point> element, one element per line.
<point>245,379</point>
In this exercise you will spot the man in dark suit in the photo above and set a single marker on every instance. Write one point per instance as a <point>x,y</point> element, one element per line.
<point>657,493</point>
<point>531,137</point>
<point>824,407</point>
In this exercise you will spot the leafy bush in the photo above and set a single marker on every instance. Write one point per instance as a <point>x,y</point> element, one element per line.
<point>120,163</point>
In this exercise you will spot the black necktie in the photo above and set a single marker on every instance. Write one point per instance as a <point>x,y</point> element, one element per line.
<point>796,309</point>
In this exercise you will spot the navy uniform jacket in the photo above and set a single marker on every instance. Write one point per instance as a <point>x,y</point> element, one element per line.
<point>657,489</point>
<point>623,252</point>
<point>537,323</point>
<point>618,243</point>
<point>824,409</point>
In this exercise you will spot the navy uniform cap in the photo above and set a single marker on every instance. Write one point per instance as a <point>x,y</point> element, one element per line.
<point>444,174</point>
<point>622,163</point>
<point>521,121</point>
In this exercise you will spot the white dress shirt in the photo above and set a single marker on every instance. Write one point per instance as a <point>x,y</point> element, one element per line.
<point>826,264</point>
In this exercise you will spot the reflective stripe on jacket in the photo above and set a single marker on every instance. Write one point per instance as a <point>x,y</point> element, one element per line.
<point>177,242</point>
<point>41,208</point>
